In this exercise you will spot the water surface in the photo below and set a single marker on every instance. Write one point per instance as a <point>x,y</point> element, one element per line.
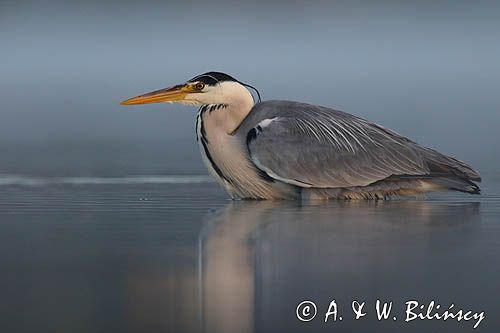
<point>175,255</point>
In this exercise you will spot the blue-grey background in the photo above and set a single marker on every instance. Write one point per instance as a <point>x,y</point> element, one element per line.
<point>108,223</point>
<point>426,69</point>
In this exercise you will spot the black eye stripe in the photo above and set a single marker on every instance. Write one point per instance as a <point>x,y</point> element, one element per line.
<point>205,79</point>
<point>212,78</point>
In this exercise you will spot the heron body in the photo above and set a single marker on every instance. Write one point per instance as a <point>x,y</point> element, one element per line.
<point>292,150</point>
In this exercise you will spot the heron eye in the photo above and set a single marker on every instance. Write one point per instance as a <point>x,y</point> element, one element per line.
<point>199,86</point>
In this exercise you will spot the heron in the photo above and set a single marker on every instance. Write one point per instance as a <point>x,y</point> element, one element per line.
<point>281,149</point>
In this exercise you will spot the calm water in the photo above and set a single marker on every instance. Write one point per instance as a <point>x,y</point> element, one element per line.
<point>167,255</point>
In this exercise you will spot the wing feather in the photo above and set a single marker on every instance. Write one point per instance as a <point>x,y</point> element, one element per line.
<point>312,146</point>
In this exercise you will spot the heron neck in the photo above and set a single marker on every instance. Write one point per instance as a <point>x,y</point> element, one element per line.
<point>231,114</point>
<point>235,115</point>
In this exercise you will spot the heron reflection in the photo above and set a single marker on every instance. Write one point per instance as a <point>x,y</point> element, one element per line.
<point>257,259</point>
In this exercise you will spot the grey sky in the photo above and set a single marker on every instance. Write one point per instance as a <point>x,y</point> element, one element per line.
<point>429,71</point>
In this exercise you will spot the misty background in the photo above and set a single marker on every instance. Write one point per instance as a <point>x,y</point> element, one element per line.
<point>123,254</point>
<point>428,70</point>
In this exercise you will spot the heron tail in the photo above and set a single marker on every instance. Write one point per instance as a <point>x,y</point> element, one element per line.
<point>444,165</point>
<point>449,173</point>
<point>454,184</point>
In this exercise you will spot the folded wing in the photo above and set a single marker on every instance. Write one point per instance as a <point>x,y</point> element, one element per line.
<point>318,147</point>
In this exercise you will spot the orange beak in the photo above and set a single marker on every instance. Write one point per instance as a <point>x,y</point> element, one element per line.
<point>172,94</point>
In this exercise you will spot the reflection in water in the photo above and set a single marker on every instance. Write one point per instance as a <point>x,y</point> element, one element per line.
<point>100,258</point>
<point>259,259</point>
<point>227,266</point>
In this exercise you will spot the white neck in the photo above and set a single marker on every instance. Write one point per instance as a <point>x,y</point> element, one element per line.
<point>238,102</point>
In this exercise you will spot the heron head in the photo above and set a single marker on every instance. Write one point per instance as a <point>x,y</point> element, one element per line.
<point>208,88</point>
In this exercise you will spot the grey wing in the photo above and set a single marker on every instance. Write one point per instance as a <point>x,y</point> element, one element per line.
<point>312,146</point>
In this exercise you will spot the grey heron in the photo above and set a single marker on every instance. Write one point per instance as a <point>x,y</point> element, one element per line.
<point>291,150</point>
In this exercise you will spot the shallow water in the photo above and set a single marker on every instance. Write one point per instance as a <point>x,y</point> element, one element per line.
<point>175,255</point>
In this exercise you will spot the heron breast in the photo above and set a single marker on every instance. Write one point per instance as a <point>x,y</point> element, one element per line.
<point>227,158</point>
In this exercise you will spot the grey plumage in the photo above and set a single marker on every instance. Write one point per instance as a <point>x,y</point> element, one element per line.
<point>320,148</point>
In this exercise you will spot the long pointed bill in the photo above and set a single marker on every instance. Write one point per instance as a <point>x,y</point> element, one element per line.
<point>172,94</point>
